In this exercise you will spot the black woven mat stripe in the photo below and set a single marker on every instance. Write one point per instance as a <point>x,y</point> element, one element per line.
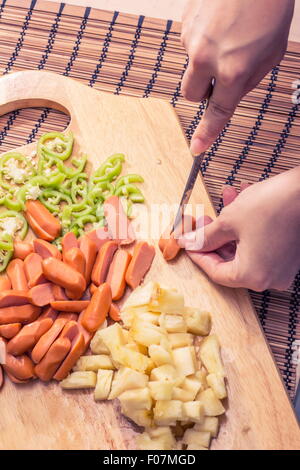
<point>126,54</point>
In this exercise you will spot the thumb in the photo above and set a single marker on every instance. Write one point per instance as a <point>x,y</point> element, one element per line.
<point>218,270</point>
<point>221,107</point>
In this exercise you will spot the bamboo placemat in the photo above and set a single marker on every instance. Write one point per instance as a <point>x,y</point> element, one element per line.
<point>140,56</point>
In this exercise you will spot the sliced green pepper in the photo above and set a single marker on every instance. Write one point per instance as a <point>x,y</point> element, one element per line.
<point>130,178</point>
<point>22,232</point>
<point>55,144</point>
<point>131,191</point>
<point>109,170</point>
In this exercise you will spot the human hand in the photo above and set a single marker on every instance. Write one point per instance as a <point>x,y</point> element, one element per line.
<point>235,42</point>
<point>254,242</point>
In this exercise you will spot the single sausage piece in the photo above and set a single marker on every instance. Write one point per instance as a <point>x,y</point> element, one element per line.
<point>78,347</point>
<point>168,242</point>
<point>140,263</point>
<point>99,236</point>
<point>13,379</point>
<point>41,295</point>
<point>33,270</point>
<point>46,221</point>
<point>97,310</point>
<point>46,249</point>
<point>75,258</point>
<point>69,316</point>
<point>47,339</point>
<point>116,273</point>
<point>19,314</point>
<point>20,367</point>
<point>103,261</point>
<point>62,274</point>
<point>114,312</point>
<point>12,298</point>
<point>86,334</point>
<point>37,229</point>
<point>48,312</point>
<point>51,361</point>
<point>92,288</point>
<point>70,330</point>
<point>5,283</point>
<point>70,305</point>
<point>58,293</point>
<point>118,223</point>
<point>68,241</point>
<point>16,274</point>
<point>27,338</point>
<point>22,249</point>
<point>10,330</point>
<point>89,250</point>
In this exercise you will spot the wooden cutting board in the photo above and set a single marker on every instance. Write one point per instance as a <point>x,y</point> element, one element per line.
<point>42,416</point>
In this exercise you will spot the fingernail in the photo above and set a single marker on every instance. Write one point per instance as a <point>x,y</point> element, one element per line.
<point>197,146</point>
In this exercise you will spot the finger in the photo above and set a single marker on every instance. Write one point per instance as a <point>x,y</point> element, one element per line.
<point>221,106</point>
<point>196,82</point>
<point>229,194</point>
<point>194,235</point>
<point>218,270</point>
<point>215,236</point>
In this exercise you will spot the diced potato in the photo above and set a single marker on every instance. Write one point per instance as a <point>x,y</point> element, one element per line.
<point>146,333</point>
<point>212,405</point>
<point>140,417</point>
<point>142,295</point>
<point>193,385</point>
<point>136,399</point>
<point>137,347</point>
<point>161,390</point>
<point>168,373</point>
<point>166,413</point>
<point>198,438</point>
<point>150,367</point>
<point>185,360</point>
<point>126,335</point>
<point>123,356</point>
<point>149,317</point>
<point>164,433</point>
<point>170,301</point>
<point>97,345</point>
<point>157,439</point>
<point>201,376</point>
<point>210,355</point>
<point>195,447</point>
<point>182,395</point>
<point>100,361</point>
<point>179,340</point>
<point>127,379</point>
<point>103,385</point>
<point>85,379</point>
<point>210,424</point>
<point>217,383</point>
<point>173,323</point>
<point>112,336</point>
<point>193,411</point>
<point>160,355</point>
<point>198,321</point>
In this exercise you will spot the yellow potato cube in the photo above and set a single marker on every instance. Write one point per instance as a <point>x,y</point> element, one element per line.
<point>210,355</point>
<point>193,385</point>
<point>127,379</point>
<point>185,360</point>
<point>212,405</point>
<point>80,379</point>
<point>179,340</point>
<point>136,399</point>
<point>198,321</point>
<point>100,361</point>
<point>173,323</point>
<point>97,345</point>
<point>210,424</point>
<point>170,301</point>
<point>166,413</point>
<point>198,438</point>
<point>141,296</point>
<point>103,385</point>
<point>181,394</point>
<point>217,383</point>
<point>157,439</point>
<point>112,336</point>
<point>160,355</point>
<point>193,411</point>
<point>168,373</point>
<point>122,356</point>
<point>140,417</point>
<point>146,333</point>
<point>161,390</point>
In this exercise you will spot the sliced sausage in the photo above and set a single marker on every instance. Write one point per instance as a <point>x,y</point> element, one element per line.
<point>69,316</point>
<point>78,347</point>
<point>14,379</point>
<point>99,236</point>
<point>168,242</point>
<point>118,223</point>
<point>75,258</point>
<point>41,295</point>
<point>46,249</point>
<point>45,341</point>
<point>27,338</point>
<point>20,367</point>
<point>53,358</point>
<point>5,283</point>
<point>86,334</point>
<point>22,249</point>
<point>37,229</point>
<point>116,273</point>
<point>12,298</point>
<point>43,218</point>
<point>89,250</point>
<point>68,241</point>
<point>140,263</point>
<point>65,276</point>
<point>93,288</point>
<point>70,305</point>
<point>97,310</point>
<point>103,261</point>
<point>10,330</point>
<point>49,312</point>
<point>16,274</point>
<point>33,270</point>
<point>58,292</point>
<point>19,314</point>
<point>114,312</point>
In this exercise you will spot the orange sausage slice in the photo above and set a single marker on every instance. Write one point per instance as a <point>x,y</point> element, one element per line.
<point>89,250</point>
<point>78,347</point>
<point>75,258</point>
<point>116,273</point>
<point>19,314</point>
<point>45,341</point>
<point>49,312</point>
<point>43,218</point>
<point>97,310</point>
<point>10,330</point>
<point>12,298</point>
<point>46,249</point>
<point>27,338</point>
<point>15,380</point>
<point>58,293</point>
<point>16,274</point>
<point>168,244</point>
<point>20,367</point>
<point>22,249</point>
<point>5,283</point>
<point>51,361</point>
<point>99,236</point>
<point>70,305</point>
<point>93,288</point>
<point>86,334</point>
<point>140,263</point>
<point>68,241</point>
<point>41,295</point>
<point>114,312</point>
<point>69,316</point>
<point>65,276</point>
<point>33,270</point>
<point>103,261</point>
<point>118,223</point>
<point>39,232</point>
